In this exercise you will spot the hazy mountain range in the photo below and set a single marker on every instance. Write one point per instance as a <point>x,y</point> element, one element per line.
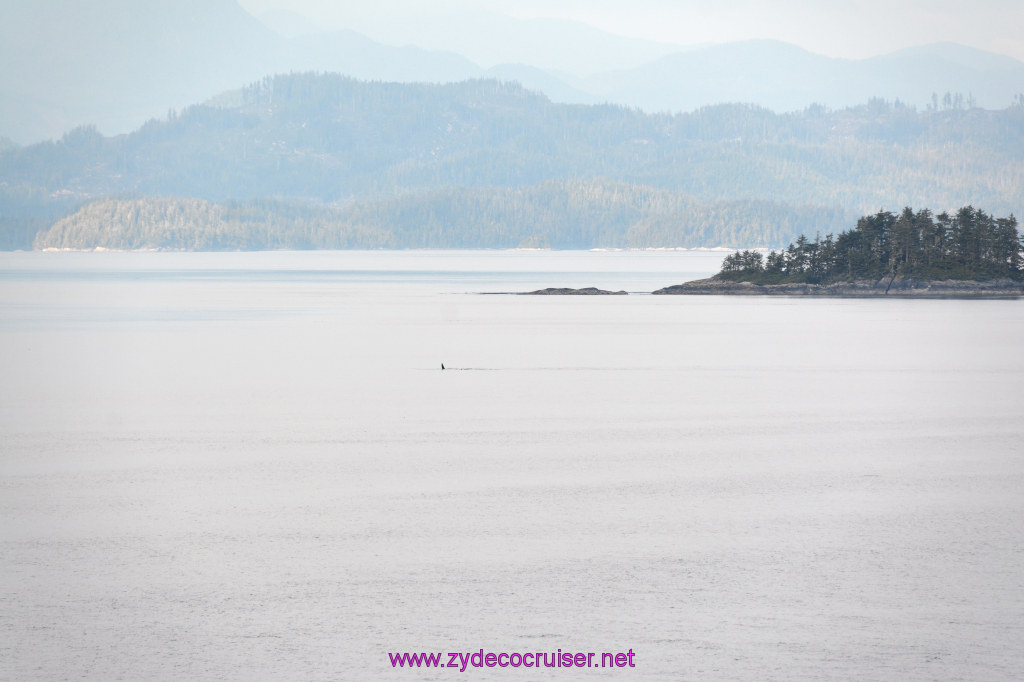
<point>325,161</point>
<point>118,63</point>
<point>192,124</point>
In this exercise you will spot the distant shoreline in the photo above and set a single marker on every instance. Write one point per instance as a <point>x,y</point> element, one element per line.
<point>887,287</point>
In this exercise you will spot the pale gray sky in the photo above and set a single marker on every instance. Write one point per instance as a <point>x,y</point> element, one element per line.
<point>836,28</point>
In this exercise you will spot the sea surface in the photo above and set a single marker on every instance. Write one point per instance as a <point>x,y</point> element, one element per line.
<point>250,466</point>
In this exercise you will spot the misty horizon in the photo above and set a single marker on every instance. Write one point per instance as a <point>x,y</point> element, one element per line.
<point>114,68</point>
<point>868,30</point>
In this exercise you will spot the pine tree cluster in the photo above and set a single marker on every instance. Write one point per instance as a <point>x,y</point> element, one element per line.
<point>968,245</point>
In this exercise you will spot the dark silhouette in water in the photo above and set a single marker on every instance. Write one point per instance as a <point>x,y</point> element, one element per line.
<point>442,365</point>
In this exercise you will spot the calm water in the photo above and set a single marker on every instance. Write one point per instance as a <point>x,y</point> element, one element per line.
<point>250,466</point>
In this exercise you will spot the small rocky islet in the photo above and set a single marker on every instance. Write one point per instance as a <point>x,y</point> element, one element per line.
<point>897,287</point>
<point>564,291</point>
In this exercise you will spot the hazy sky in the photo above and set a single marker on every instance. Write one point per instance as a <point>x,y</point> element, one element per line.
<point>837,28</point>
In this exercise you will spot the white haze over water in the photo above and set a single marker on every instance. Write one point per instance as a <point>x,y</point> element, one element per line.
<point>250,466</point>
<point>851,30</point>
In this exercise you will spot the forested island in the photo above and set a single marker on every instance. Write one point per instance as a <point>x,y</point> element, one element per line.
<point>965,253</point>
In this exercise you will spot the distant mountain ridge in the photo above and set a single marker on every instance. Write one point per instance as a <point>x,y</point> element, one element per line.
<point>487,163</point>
<point>117,64</point>
<point>561,47</point>
<point>784,77</point>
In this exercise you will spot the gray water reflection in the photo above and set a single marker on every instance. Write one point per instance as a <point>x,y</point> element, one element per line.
<point>266,477</point>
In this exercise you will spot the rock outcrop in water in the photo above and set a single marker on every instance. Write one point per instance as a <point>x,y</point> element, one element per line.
<point>887,286</point>
<point>587,291</point>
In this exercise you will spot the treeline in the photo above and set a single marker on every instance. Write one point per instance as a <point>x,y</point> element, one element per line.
<point>557,214</point>
<point>967,245</point>
<point>327,139</point>
<point>144,223</point>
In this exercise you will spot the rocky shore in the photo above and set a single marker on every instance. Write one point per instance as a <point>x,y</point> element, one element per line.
<point>587,291</point>
<point>898,287</point>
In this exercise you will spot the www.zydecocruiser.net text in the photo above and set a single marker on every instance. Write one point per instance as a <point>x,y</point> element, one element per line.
<point>463,660</point>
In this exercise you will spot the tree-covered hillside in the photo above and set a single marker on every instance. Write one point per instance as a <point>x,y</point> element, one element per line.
<point>389,149</point>
<point>558,214</point>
